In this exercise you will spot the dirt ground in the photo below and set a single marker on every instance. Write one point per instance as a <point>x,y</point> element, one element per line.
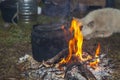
<point>9,55</point>
<point>14,44</point>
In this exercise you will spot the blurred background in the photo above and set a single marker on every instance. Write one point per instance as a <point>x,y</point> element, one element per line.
<point>18,19</point>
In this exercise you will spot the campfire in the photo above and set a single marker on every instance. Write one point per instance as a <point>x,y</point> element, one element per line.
<point>71,63</point>
<point>75,47</point>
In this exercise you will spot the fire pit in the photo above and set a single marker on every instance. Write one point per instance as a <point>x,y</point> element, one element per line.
<point>71,63</point>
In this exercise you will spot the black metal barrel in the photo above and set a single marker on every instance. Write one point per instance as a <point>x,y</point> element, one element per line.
<point>8,10</point>
<point>47,41</point>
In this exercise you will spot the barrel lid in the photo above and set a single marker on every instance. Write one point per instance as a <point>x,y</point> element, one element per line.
<point>50,26</point>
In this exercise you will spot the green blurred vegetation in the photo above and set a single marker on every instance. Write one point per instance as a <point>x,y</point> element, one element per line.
<point>13,34</point>
<point>20,33</point>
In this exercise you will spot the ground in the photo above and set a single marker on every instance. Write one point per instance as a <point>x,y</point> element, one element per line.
<point>15,42</point>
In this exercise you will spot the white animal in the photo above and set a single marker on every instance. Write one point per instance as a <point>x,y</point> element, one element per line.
<point>101,23</point>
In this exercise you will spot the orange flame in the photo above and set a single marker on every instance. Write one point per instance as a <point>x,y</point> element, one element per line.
<point>97,50</point>
<point>77,40</point>
<point>75,45</point>
<point>94,64</point>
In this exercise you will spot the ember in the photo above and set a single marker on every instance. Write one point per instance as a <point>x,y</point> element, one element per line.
<point>94,64</point>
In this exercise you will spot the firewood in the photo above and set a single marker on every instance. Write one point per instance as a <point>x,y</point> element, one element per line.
<point>82,69</point>
<point>58,56</point>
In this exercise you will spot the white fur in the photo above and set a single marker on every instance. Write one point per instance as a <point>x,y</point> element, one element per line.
<point>105,22</point>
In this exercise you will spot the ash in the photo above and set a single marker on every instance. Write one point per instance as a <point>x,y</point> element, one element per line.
<point>103,71</point>
<point>44,74</point>
<point>32,70</point>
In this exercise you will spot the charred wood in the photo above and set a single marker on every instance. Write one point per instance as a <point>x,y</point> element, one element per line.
<point>82,70</point>
<point>57,58</point>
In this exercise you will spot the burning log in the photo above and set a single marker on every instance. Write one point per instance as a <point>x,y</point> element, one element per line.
<point>82,70</point>
<point>58,56</point>
<point>72,71</point>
